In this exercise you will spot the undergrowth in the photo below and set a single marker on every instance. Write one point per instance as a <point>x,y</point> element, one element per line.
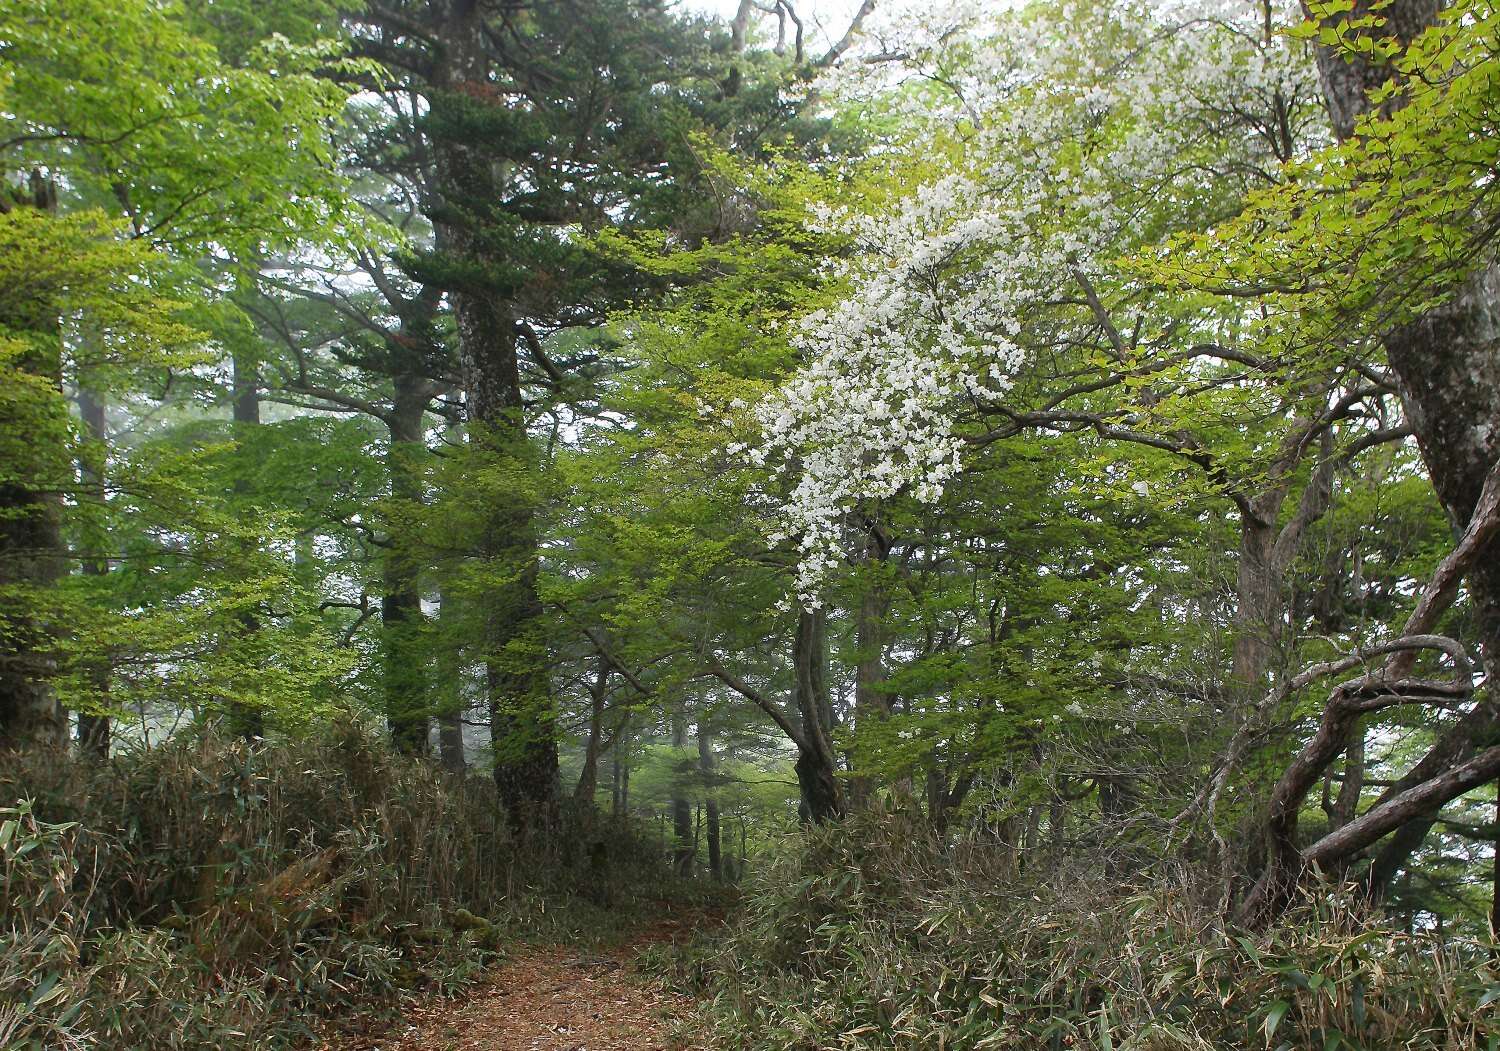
<point>205,894</point>
<point>871,936</point>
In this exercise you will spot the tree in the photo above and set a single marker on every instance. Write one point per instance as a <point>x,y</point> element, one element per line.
<point>122,159</point>
<point>542,121</point>
<point>1407,81</point>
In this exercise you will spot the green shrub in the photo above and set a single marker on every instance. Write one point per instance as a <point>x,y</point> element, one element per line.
<point>206,894</point>
<point>872,936</point>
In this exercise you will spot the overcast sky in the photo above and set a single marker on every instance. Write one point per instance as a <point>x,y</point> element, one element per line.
<point>824,21</point>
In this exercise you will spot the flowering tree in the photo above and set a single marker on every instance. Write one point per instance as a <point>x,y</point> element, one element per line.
<point>1108,209</point>
<point>1075,139</point>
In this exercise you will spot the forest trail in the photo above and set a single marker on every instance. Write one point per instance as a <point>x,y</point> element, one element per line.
<point>555,998</point>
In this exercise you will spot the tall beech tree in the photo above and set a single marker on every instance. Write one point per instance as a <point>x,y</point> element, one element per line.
<point>1447,361</point>
<point>1410,72</point>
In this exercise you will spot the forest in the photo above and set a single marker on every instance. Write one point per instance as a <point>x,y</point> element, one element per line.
<point>826,525</point>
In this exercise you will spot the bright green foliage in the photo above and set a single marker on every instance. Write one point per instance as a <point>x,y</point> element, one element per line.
<point>1373,232</point>
<point>158,153</point>
<point>140,115</point>
<point>665,548</point>
<point>491,384</point>
<point>196,560</point>
<point>111,299</point>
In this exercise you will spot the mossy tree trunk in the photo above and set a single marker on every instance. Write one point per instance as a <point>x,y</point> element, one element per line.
<point>407,704</point>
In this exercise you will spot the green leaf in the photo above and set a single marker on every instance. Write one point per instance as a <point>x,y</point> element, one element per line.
<point>1273,1018</point>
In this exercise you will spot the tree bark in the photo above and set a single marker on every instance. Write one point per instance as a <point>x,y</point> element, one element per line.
<point>1347,80</point>
<point>809,727</point>
<point>407,704</point>
<point>1448,366</point>
<point>93,727</point>
<point>1390,685</point>
<point>1448,360</point>
<point>621,801</point>
<point>1056,819</point>
<point>937,798</point>
<point>707,764</point>
<point>1346,803</point>
<point>522,716</point>
<point>816,766</point>
<point>588,777</point>
<point>1268,549</point>
<point>684,849</point>
<point>451,741</point>
<point>1116,795</point>
<point>871,702</point>
<point>245,720</point>
<point>1257,595</point>
<point>448,691</point>
<point>1495,876</point>
<point>1382,819</point>
<point>614,783</point>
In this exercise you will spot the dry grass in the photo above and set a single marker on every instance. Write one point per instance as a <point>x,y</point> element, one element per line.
<point>871,937</point>
<point>209,895</point>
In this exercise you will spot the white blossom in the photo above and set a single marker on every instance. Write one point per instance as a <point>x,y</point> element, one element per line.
<point>1078,131</point>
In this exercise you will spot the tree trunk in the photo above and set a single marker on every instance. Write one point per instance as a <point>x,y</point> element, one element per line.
<point>1268,548</point>
<point>448,691</point>
<point>1056,819</point>
<point>937,798</point>
<point>707,765</point>
<point>623,768</point>
<point>1495,877</point>
<point>522,716</point>
<point>451,741</point>
<point>816,766</point>
<point>93,728</point>
<point>616,802</point>
<point>588,777</point>
<point>1116,796</point>
<point>1029,836</point>
<point>684,849</point>
<point>1448,366</point>
<point>1347,80</point>
<point>1257,600</point>
<point>871,702</point>
<point>1346,804</point>
<point>401,619</point>
<point>31,547</point>
<point>1448,360</point>
<point>245,720</point>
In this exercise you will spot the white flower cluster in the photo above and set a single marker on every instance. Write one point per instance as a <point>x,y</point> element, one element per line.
<point>870,414</point>
<point>1079,131</point>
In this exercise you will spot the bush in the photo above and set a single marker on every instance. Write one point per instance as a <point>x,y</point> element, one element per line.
<point>870,936</point>
<point>205,894</point>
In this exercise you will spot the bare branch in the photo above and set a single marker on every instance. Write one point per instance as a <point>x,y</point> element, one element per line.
<point>846,41</point>
<point>760,700</point>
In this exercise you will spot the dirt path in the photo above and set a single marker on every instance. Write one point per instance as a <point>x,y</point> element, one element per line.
<point>554,999</point>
